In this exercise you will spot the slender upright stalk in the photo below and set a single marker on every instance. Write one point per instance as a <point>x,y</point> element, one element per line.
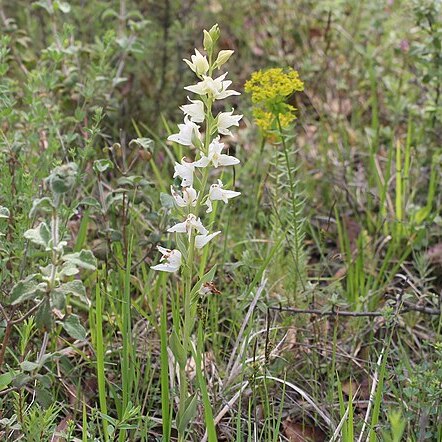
<point>189,319</point>
<point>292,197</point>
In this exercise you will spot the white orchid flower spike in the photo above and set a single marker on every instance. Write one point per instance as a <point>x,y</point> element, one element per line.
<point>186,226</point>
<point>215,156</point>
<point>195,111</point>
<point>217,193</point>
<point>188,134</point>
<point>185,172</point>
<point>201,131</point>
<point>189,198</point>
<point>202,240</point>
<point>169,262</point>
<point>226,120</point>
<point>214,88</point>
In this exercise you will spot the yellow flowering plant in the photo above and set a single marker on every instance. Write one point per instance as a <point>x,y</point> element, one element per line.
<point>270,90</point>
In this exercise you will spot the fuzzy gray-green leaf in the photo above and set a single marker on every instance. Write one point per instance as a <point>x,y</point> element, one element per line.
<point>84,259</point>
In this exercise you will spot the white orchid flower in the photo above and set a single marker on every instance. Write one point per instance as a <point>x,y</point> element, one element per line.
<point>225,120</point>
<point>214,88</point>
<point>171,258</point>
<point>188,134</point>
<point>185,171</point>
<point>202,240</point>
<point>217,193</point>
<point>186,226</point>
<point>189,198</point>
<point>195,110</point>
<point>198,63</point>
<point>215,156</point>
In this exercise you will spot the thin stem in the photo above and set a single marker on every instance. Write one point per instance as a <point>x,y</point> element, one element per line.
<point>6,336</point>
<point>189,314</point>
<point>292,197</point>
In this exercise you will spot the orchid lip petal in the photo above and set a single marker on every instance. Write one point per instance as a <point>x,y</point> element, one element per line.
<point>172,260</point>
<point>202,240</point>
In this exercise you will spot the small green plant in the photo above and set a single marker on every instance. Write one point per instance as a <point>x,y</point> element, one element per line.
<point>48,289</point>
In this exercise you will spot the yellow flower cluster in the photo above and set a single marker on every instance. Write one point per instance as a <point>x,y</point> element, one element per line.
<point>273,85</point>
<point>269,90</point>
<point>265,120</point>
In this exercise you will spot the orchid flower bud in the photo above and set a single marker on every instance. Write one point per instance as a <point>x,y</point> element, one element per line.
<point>223,57</point>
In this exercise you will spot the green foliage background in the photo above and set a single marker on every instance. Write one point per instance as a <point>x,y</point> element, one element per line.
<point>99,83</point>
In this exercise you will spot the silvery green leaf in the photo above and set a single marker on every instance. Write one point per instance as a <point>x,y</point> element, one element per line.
<point>143,143</point>
<point>45,4</point>
<point>84,259</point>
<point>114,197</point>
<point>64,7</point>
<point>41,235</point>
<point>29,366</point>
<point>90,201</point>
<point>43,204</point>
<point>75,287</point>
<point>73,327</point>
<point>100,166</point>
<point>68,269</point>
<point>26,289</point>
<point>133,181</point>
<point>43,318</point>
<point>58,300</point>
<point>167,200</point>
<point>59,247</point>
<point>4,212</point>
<point>47,270</point>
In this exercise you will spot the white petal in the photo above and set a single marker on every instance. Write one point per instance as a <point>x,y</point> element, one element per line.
<point>225,94</point>
<point>178,198</point>
<point>165,268</point>
<point>163,250</point>
<point>198,225</point>
<point>190,196</point>
<point>216,147</point>
<point>215,193</point>
<point>175,258</point>
<point>202,240</point>
<point>195,110</point>
<point>227,160</point>
<point>226,120</point>
<point>228,194</point>
<point>200,62</point>
<point>184,171</point>
<point>172,263</point>
<point>202,162</point>
<point>196,89</point>
<point>178,228</point>
<point>208,203</point>
<point>186,133</point>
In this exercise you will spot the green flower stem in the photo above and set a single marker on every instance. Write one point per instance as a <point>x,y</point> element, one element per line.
<point>292,193</point>
<point>188,311</point>
<point>259,183</point>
